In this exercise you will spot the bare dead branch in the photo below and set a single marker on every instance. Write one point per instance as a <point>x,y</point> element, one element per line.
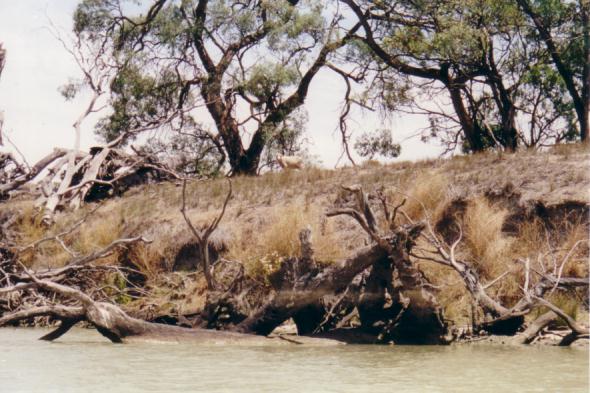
<point>202,237</point>
<point>58,237</point>
<point>578,329</point>
<point>35,170</point>
<point>56,311</point>
<point>358,217</point>
<point>106,251</point>
<point>535,328</point>
<point>559,271</point>
<point>395,210</point>
<point>495,280</point>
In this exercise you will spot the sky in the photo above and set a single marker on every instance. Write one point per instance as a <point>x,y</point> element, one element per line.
<point>37,118</point>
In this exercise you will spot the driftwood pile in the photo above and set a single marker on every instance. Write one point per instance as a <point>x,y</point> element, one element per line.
<point>67,179</point>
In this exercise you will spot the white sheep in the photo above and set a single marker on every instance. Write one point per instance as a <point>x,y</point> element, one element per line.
<point>290,162</point>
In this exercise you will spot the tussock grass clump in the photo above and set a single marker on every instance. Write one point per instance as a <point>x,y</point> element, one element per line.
<point>487,245</point>
<point>261,251</point>
<point>428,195</point>
<point>103,230</point>
<point>494,252</point>
<point>567,246</point>
<point>575,240</point>
<point>30,228</point>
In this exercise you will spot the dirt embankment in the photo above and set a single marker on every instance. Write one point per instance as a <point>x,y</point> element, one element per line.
<point>507,208</point>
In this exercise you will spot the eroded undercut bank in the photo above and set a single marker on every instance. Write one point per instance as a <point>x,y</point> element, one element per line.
<point>382,293</point>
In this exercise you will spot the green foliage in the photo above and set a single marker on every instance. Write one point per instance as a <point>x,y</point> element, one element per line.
<point>93,17</point>
<point>170,29</point>
<point>266,80</point>
<point>243,60</point>
<point>116,288</point>
<point>507,77</point>
<point>138,99</point>
<point>380,143</point>
<point>286,138</point>
<point>290,25</point>
<point>193,154</point>
<point>70,89</point>
<point>175,58</point>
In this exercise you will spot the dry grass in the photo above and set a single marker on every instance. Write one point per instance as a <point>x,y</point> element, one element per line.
<point>487,248</point>
<point>266,214</point>
<point>493,252</point>
<point>576,241</point>
<point>261,251</point>
<point>550,249</point>
<point>485,242</point>
<point>96,233</point>
<point>427,196</point>
<point>568,149</point>
<point>453,296</point>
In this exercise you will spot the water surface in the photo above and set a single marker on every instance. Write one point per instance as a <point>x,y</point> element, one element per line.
<point>82,361</point>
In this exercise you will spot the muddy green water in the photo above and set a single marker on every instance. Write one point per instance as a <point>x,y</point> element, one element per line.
<point>83,362</point>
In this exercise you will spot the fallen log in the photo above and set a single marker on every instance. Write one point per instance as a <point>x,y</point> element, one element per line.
<point>307,290</point>
<point>409,315</point>
<point>45,294</point>
<point>578,331</point>
<point>32,173</point>
<point>114,324</point>
<point>535,328</point>
<point>380,284</point>
<point>103,172</point>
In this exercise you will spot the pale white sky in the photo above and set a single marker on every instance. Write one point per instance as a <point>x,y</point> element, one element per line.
<point>37,118</point>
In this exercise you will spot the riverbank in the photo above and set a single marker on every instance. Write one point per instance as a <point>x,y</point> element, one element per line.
<point>496,211</point>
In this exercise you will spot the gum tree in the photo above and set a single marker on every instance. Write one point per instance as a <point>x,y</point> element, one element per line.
<point>477,69</point>
<point>564,28</point>
<point>246,66</point>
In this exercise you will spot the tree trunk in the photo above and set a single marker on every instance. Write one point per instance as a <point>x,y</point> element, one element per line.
<point>535,328</point>
<point>471,132</point>
<point>504,102</point>
<point>581,101</point>
<point>376,295</point>
<point>420,319</point>
<point>395,307</point>
<point>117,326</point>
<point>2,58</point>
<point>34,171</point>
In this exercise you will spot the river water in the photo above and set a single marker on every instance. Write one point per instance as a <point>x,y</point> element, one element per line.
<point>82,361</point>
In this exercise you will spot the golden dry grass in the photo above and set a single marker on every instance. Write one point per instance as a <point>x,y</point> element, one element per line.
<point>452,296</point>
<point>485,242</point>
<point>266,214</point>
<point>427,196</point>
<point>261,251</point>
